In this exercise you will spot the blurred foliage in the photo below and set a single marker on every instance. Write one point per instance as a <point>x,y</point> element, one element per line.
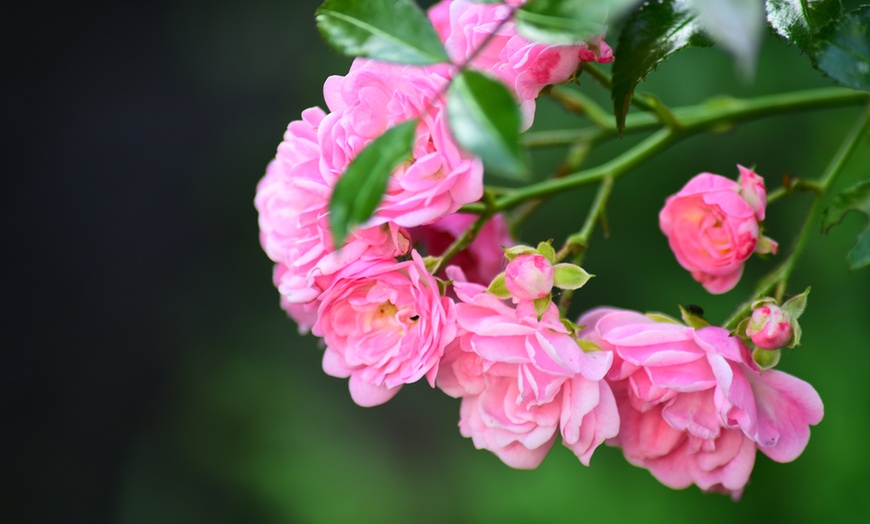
<point>249,429</point>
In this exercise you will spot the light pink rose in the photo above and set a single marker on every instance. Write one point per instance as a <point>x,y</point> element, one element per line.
<point>522,380</point>
<point>385,324</point>
<point>529,277</point>
<point>769,327</point>
<point>713,229</point>
<point>293,202</point>
<point>694,405</point>
<point>525,67</point>
<point>483,259</point>
<point>373,96</point>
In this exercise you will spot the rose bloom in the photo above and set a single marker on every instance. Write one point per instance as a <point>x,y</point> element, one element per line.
<point>525,67</point>
<point>385,324</point>
<point>770,327</point>
<point>529,277</point>
<point>371,98</point>
<point>523,380</point>
<point>483,259</point>
<point>712,227</point>
<point>694,406</point>
<point>293,203</point>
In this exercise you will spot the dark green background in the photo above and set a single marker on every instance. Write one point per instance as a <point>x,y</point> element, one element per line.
<point>152,378</point>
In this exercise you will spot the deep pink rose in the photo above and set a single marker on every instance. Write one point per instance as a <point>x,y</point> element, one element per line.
<point>523,380</point>
<point>712,227</point>
<point>483,259</point>
<point>373,96</point>
<point>694,405</point>
<point>385,324</point>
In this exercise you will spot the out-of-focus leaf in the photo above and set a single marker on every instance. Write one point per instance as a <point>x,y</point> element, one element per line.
<point>389,30</point>
<point>855,198</point>
<point>799,21</point>
<point>567,21</point>
<point>842,49</point>
<point>736,25</point>
<point>485,120</point>
<point>650,36</point>
<point>359,191</point>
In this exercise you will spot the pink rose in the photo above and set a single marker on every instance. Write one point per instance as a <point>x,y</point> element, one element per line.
<point>693,404</point>
<point>483,259</point>
<point>293,203</point>
<point>525,67</point>
<point>712,227</point>
<point>373,96</point>
<point>523,380</point>
<point>529,277</point>
<point>385,324</point>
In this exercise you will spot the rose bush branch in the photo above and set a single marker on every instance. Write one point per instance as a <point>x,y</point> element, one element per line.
<point>776,281</point>
<point>692,120</point>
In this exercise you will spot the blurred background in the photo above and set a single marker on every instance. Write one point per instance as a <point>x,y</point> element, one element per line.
<point>151,376</point>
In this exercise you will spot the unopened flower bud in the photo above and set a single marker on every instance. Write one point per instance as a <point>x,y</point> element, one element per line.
<point>529,277</point>
<point>769,327</point>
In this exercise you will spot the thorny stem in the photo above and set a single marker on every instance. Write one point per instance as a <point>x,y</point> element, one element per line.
<point>777,280</point>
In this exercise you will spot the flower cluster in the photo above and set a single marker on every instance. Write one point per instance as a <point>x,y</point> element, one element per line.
<point>380,313</point>
<point>690,404</point>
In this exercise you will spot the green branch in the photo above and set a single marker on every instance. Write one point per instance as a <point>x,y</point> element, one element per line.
<point>689,121</point>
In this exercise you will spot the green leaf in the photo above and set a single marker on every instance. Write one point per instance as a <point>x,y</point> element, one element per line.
<point>587,345</point>
<point>546,249</point>
<point>650,36</point>
<point>498,288</point>
<point>855,198</point>
<point>542,305</point>
<point>736,25</point>
<point>485,120</point>
<point>359,191</point>
<point>766,358</point>
<point>566,21</point>
<point>842,49</point>
<point>693,316</point>
<point>388,30</point>
<point>661,317</point>
<point>569,276</point>
<point>796,305</point>
<point>799,21</point>
<point>515,251</point>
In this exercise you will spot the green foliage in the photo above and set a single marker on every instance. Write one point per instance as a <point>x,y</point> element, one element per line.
<point>799,21</point>
<point>569,276</point>
<point>842,49</point>
<point>693,317</point>
<point>359,191</point>
<point>566,21</point>
<point>498,288</point>
<point>855,198</point>
<point>485,120</point>
<point>389,30</point>
<point>650,36</point>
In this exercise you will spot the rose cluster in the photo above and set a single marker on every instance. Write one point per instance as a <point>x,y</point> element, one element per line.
<point>691,405</point>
